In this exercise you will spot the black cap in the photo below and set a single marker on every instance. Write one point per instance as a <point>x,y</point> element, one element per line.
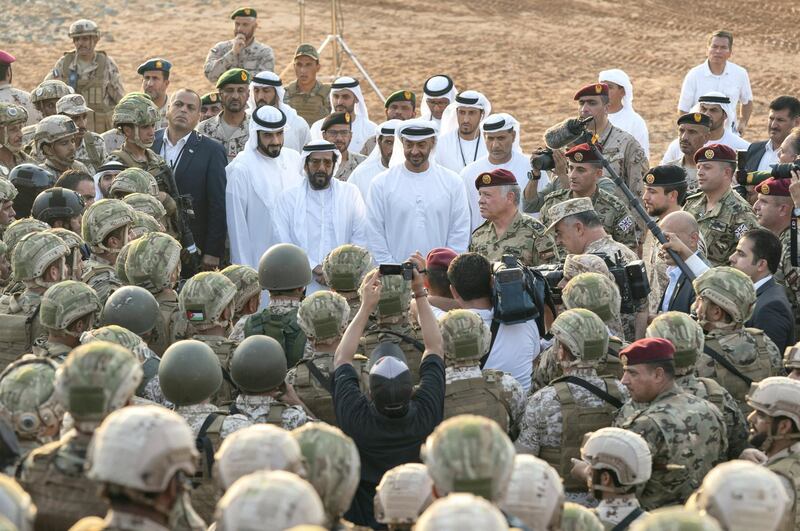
<point>390,386</point>
<point>336,118</point>
<point>666,175</point>
<point>695,118</point>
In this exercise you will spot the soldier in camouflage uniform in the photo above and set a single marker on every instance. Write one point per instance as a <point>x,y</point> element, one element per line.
<point>76,246</point>
<point>147,204</point>
<point>312,100</point>
<point>10,94</point>
<point>11,237</point>
<point>247,299</point>
<point>723,215</point>
<point>461,511</point>
<point>558,416</point>
<point>91,150</point>
<point>12,118</point>
<point>7,194</point>
<point>18,508</point>
<point>231,127</point>
<point>68,310</point>
<point>243,51</point>
<point>95,380</point>
<point>686,434</point>
<point>133,181</point>
<point>403,494</point>
<point>343,269</point>
<point>791,361</point>
<point>733,355</point>
<point>535,493</point>
<point>55,141</point>
<point>44,97</point>
<point>105,228</point>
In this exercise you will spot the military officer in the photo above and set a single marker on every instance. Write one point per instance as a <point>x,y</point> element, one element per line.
<point>12,118</point>
<point>307,95</point>
<point>210,105</point>
<point>104,228</point>
<point>91,149</point>
<point>694,130</point>
<point>231,126</point>
<point>155,81</point>
<point>243,51</point>
<point>336,129</point>
<point>10,94</point>
<point>68,310</point>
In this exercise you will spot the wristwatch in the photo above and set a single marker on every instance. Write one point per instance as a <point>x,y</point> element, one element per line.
<point>423,293</point>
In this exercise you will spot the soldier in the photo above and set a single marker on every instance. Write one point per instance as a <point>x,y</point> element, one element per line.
<point>535,493</point>
<point>105,229</point>
<point>59,208</point>
<point>95,380</point>
<point>132,181</point>
<point>558,416</point>
<point>506,229</point>
<point>93,74</point>
<point>672,517</point>
<point>155,81</point>
<point>9,94</point>
<point>791,361</point>
<point>76,247</point>
<point>461,511</point>
<point>12,118</point>
<point>723,215</point>
<point>19,228</point>
<point>344,269</point>
<point>489,393</point>
<point>67,310</point>
<point>210,106</point>
<point>18,508</point>
<point>686,434</point>
<point>247,299</point>
<point>55,141</point>
<point>7,194</point>
<point>733,355</point>
<point>39,261</point>
<point>91,149</point>
<point>694,130</point>
<point>45,96</point>
<point>230,127</point>
<point>307,95</point>
<point>402,495</point>
<point>336,129</point>
<point>243,51</point>
<point>147,204</point>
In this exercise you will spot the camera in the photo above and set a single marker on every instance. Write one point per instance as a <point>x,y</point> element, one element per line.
<point>520,293</point>
<point>754,178</point>
<point>542,159</point>
<point>553,275</point>
<point>631,279</point>
<point>784,171</point>
<point>406,269</point>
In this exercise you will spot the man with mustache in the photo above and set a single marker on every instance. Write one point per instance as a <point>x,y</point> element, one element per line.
<point>336,130</point>
<point>230,127</point>
<point>91,150</point>
<point>155,81</point>
<point>243,51</point>
<point>55,139</point>
<point>784,114</point>
<point>694,130</point>
<point>346,96</point>
<point>267,89</point>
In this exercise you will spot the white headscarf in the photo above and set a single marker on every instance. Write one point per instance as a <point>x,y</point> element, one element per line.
<point>318,146</point>
<point>351,84</point>
<point>503,122</point>
<point>617,76</point>
<point>387,128</point>
<point>730,110</point>
<point>469,98</point>
<point>439,86</point>
<point>415,129</point>
<point>111,165</point>
<point>270,79</point>
<point>266,118</point>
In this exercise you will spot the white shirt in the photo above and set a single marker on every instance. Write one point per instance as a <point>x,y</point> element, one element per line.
<point>454,153</point>
<point>172,153</point>
<point>770,157</point>
<point>514,348</point>
<point>761,282</point>
<point>364,173</point>
<point>696,265</point>
<point>631,122</point>
<point>729,138</point>
<point>733,82</point>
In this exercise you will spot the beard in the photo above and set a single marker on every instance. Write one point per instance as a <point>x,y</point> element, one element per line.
<point>273,151</point>
<point>757,439</point>
<point>319,180</point>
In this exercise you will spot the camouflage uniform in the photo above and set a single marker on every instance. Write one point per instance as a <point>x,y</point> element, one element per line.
<point>234,144</point>
<point>512,389</point>
<point>91,151</point>
<point>52,129</point>
<point>613,511</point>
<point>284,310</point>
<point>99,220</point>
<point>196,415</point>
<point>100,274</point>
<point>723,225</point>
<point>525,238</point>
<point>12,114</point>
<point>258,410</point>
<point>9,94</point>
<point>254,58</point>
<point>312,105</point>
<point>789,277</point>
<point>626,157</point>
<point>346,168</point>
<point>546,367</point>
<point>343,269</point>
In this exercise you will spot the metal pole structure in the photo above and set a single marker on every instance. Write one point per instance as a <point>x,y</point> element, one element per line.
<point>360,67</point>
<point>334,31</point>
<point>302,20</point>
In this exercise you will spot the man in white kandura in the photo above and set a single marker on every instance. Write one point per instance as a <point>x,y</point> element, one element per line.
<point>460,141</point>
<point>438,92</point>
<point>346,96</point>
<point>266,88</point>
<point>620,107</point>
<point>378,159</point>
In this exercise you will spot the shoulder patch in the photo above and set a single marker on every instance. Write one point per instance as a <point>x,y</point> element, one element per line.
<point>625,223</point>
<point>740,230</point>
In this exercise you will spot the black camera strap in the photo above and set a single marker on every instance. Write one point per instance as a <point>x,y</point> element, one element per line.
<point>626,522</point>
<point>599,393</point>
<point>719,358</point>
<point>326,383</point>
<point>494,328</point>
<point>793,244</point>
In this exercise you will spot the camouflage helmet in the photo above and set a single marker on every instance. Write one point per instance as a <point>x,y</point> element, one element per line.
<point>66,302</point>
<point>141,448</point>
<point>51,89</point>
<point>53,128</point>
<point>469,453</point>
<point>189,372</point>
<point>791,357</point>
<point>3,249</point>
<point>135,111</point>
<point>323,316</point>
<point>395,296</point>
<point>535,493</point>
<point>245,278</point>
<point>345,266</point>
<point>83,27</point>
<point>133,181</point>
<point>776,396</point>
<point>7,190</point>
<point>403,494</point>
<point>676,518</point>
<point>466,337</point>
<point>624,452</point>
<point>460,511</point>
<point>96,379</point>
<point>596,293</point>
<point>27,393</point>
<point>254,448</point>
<point>152,261</point>
<point>119,265</point>
<point>575,264</point>
<point>281,498</point>
<point>685,334</point>
<point>71,239</point>
<point>742,495</point>
<point>728,288</point>
<point>34,254</point>
<point>11,114</point>
<point>332,465</point>
<point>205,297</point>
<point>100,219</point>
<point>584,334</point>
<point>146,203</point>
<point>258,364</point>
<point>16,504</point>
<point>133,308</point>
<point>144,224</point>
<point>284,266</point>
<point>578,518</point>
<point>72,105</point>
<point>22,227</point>
<point>119,336</point>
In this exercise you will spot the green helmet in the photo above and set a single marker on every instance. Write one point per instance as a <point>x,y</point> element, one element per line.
<point>258,364</point>
<point>11,113</point>
<point>152,261</point>
<point>685,334</point>
<point>52,89</point>
<point>345,266</point>
<point>101,218</point>
<point>71,239</point>
<point>466,337</point>
<point>35,253</point>
<point>284,267</point>
<point>27,394</point>
<point>7,190</point>
<point>678,518</point>
<point>146,203</point>
<point>119,265</point>
<point>135,110</point>
<point>16,504</point>
<point>54,128</point>
<point>133,181</point>
<point>204,298</point>
<point>584,334</point>
<point>133,308</point>
<point>579,518</point>
<point>323,316</point>
<point>95,380</point>
<point>596,293</point>
<point>468,453</point>
<point>144,224</point>
<point>395,296</point>
<point>189,372</point>
<point>119,336</point>
<point>332,465</point>
<point>728,288</point>
<point>66,302</point>
<point>245,278</point>
<point>460,511</point>
<point>19,228</point>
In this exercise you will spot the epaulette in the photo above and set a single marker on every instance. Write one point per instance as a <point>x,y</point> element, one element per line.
<point>694,195</point>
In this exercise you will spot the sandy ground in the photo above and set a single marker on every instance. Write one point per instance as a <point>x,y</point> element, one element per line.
<point>527,56</point>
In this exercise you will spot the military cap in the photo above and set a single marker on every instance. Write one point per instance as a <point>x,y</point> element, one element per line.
<point>72,105</point>
<point>6,58</point>
<point>156,63</point>
<point>647,350</point>
<point>695,118</point>
<point>212,98</point>
<point>567,208</point>
<point>665,175</point>
<point>595,89</point>
<point>496,177</point>
<point>83,27</point>
<point>773,186</point>
<point>400,95</point>
<point>440,258</point>
<point>307,49</point>
<point>583,154</point>
<point>715,153</point>
<point>337,118</point>
<point>244,12</point>
<point>234,76</point>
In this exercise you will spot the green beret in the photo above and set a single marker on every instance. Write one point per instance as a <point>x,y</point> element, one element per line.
<point>154,64</point>
<point>401,95</point>
<point>244,12</point>
<point>336,118</point>
<point>211,98</point>
<point>234,76</point>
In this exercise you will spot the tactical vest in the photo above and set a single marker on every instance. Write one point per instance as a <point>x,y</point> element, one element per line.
<point>283,328</point>
<point>479,396</point>
<point>756,371</point>
<point>577,421</point>
<point>316,394</point>
<point>150,370</point>
<point>610,364</point>
<point>386,332</point>
<point>789,468</point>
<point>205,494</point>
<point>16,331</point>
<point>311,107</point>
<point>94,91</point>
<point>163,333</point>
<point>716,393</point>
<point>274,415</point>
<point>223,348</point>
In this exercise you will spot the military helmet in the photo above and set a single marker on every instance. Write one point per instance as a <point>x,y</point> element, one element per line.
<point>677,518</point>
<point>578,518</point>
<point>254,448</point>
<point>53,128</point>
<point>152,261</point>
<point>66,302</point>
<point>102,218</point>
<point>583,333</point>
<point>28,175</point>
<point>144,224</point>
<point>281,498</point>
<point>728,288</point>
<point>791,357</point>
<point>7,190</point>
<point>245,278</point>
<point>395,296</point>
<point>135,111</point>
<point>11,114</point>
<point>57,203</point>
<point>460,511</point>
<point>258,364</point>
<point>71,239</point>
<point>535,493</point>
<point>83,27</point>
<point>3,249</point>
<point>332,465</point>
<point>119,265</point>
<point>323,316</point>
<point>345,266</point>
<point>469,453</point>
<point>72,105</point>
<point>189,372</point>
<point>204,298</point>
<point>51,89</point>
<point>96,379</point>
<point>16,504</point>
<point>146,203</point>
<point>776,396</point>
<point>27,393</point>
<point>35,253</point>
<point>133,181</point>
<point>622,451</point>
<point>466,336</point>
<point>133,308</point>
<point>594,292</point>
<point>685,334</point>
<point>403,494</point>
<point>141,448</point>
<point>22,227</point>
<point>284,266</point>
<point>119,336</point>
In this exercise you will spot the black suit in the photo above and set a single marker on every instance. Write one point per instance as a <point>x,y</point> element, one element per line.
<point>201,174</point>
<point>683,296</point>
<point>773,314</point>
<point>755,152</point>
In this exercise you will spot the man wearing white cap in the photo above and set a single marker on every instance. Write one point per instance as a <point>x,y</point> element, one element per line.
<point>460,141</point>
<point>256,177</point>
<point>438,92</point>
<point>378,159</point>
<point>346,96</point>
<point>321,213</point>
<point>620,107</point>
<point>266,88</point>
<point>417,205</point>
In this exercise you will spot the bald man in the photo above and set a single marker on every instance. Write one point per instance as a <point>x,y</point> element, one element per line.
<point>683,236</point>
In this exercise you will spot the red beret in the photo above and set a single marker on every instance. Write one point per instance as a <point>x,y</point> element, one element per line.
<point>647,350</point>
<point>498,177</point>
<point>440,258</point>
<point>715,152</point>
<point>595,89</point>
<point>773,186</point>
<point>6,58</point>
<point>583,153</point>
